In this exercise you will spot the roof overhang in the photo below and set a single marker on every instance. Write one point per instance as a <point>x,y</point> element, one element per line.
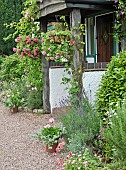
<point>50,9</point>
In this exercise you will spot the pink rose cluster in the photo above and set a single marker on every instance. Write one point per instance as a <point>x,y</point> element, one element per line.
<point>52,53</point>
<point>29,44</point>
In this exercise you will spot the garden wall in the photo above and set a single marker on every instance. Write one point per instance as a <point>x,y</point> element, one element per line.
<point>58,94</point>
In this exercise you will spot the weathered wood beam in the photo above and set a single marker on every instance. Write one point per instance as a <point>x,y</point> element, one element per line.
<point>77,54</point>
<point>123,38</point>
<point>44,11</point>
<point>46,83</point>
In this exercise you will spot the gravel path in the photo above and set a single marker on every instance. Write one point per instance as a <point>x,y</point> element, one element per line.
<point>18,149</point>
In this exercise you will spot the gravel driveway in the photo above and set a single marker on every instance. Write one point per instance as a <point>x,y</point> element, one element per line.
<point>18,149</point>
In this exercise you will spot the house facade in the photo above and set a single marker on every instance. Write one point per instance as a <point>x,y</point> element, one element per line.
<point>98,16</point>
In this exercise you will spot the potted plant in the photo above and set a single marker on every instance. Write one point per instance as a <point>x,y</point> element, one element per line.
<point>13,102</point>
<point>50,135</point>
<point>12,97</point>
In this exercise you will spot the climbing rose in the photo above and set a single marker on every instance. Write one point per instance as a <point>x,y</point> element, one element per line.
<point>72,43</point>
<point>43,52</point>
<point>51,58</point>
<point>36,40</point>
<point>35,52</point>
<point>24,50</point>
<point>14,49</point>
<point>42,39</point>
<point>58,55</point>
<point>36,48</point>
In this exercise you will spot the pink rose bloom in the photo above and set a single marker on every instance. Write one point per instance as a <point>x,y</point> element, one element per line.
<point>43,52</point>
<point>58,55</point>
<point>68,56</point>
<point>36,48</point>
<point>24,49</point>
<point>28,41</point>
<point>57,163</point>
<point>27,38</point>
<point>61,160</point>
<point>22,54</point>
<point>61,145</point>
<point>51,58</point>
<point>36,40</point>
<point>57,150</point>
<point>14,49</point>
<point>29,54</point>
<point>47,126</point>
<point>18,50</point>
<point>72,43</point>
<point>35,52</point>
<point>54,154</point>
<point>51,120</point>
<point>17,39</point>
<point>20,37</point>
<point>42,39</point>
<point>70,153</point>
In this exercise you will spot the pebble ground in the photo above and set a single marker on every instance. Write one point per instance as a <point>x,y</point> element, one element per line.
<point>18,148</point>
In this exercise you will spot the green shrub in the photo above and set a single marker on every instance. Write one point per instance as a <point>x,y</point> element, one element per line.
<point>116,133</point>
<point>34,99</point>
<point>25,74</point>
<point>85,161</point>
<point>82,125</point>
<point>113,84</point>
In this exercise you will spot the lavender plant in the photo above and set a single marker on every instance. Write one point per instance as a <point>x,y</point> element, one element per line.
<point>82,125</point>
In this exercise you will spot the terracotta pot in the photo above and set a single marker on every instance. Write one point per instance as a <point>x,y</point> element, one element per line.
<point>14,109</point>
<point>52,148</point>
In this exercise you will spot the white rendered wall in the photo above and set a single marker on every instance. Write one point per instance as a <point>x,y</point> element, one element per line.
<point>91,81</point>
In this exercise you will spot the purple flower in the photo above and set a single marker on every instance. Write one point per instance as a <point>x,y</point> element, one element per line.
<point>116,1</point>
<point>121,13</point>
<point>99,137</point>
